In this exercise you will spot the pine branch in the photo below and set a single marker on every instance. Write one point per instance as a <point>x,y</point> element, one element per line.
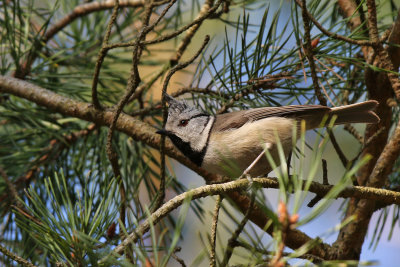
<point>310,55</point>
<point>213,240</point>
<point>11,188</point>
<point>79,11</point>
<point>169,36</point>
<point>239,228</point>
<point>335,35</point>
<point>133,82</point>
<point>349,10</point>
<point>15,257</point>
<point>192,31</point>
<point>215,189</point>
<point>102,54</point>
<point>55,148</point>
<point>351,237</point>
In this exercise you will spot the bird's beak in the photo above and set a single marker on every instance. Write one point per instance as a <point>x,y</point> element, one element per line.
<point>164,132</point>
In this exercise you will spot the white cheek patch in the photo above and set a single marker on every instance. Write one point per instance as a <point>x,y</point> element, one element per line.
<point>202,141</point>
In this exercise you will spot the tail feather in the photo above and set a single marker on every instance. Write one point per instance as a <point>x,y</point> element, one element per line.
<point>356,113</point>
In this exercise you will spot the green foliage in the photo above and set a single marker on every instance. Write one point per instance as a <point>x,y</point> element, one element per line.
<point>73,196</point>
<point>69,230</point>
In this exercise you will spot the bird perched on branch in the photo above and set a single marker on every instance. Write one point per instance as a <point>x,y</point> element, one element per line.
<point>228,143</point>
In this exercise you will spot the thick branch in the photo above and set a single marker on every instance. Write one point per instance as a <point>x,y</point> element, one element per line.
<point>348,9</point>
<point>372,22</point>
<point>380,87</point>
<point>394,38</point>
<point>208,190</point>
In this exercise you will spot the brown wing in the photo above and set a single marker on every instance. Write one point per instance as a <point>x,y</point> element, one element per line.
<point>313,114</point>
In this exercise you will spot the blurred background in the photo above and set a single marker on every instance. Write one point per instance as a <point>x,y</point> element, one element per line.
<point>38,146</point>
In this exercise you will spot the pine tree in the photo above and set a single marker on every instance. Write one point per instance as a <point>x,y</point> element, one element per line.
<point>86,181</point>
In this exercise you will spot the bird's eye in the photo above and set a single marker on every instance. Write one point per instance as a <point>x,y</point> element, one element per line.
<point>183,123</point>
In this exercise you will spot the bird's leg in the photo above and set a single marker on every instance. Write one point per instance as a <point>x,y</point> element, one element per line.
<point>248,169</point>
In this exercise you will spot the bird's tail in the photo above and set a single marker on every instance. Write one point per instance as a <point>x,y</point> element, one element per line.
<point>356,113</point>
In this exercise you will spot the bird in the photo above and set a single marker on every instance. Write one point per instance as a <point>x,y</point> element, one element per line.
<point>227,144</point>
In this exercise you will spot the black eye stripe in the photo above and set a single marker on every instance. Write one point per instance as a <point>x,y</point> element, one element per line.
<point>199,115</point>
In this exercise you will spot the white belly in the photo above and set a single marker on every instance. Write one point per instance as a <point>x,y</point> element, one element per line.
<point>231,152</point>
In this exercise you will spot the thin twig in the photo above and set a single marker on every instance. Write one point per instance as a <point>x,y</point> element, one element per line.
<point>78,11</point>
<point>309,53</point>
<point>331,34</point>
<point>214,231</point>
<point>102,55</point>
<point>134,78</point>
<point>184,64</point>
<point>181,261</point>
<point>15,257</point>
<point>353,131</point>
<point>26,214</point>
<point>196,21</point>
<point>338,150</point>
<point>191,32</point>
<point>369,142</point>
<point>317,198</point>
<point>145,86</point>
<point>238,231</point>
<point>175,58</point>
<point>11,188</point>
<point>161,194</point>
<point>309,257</point>
<point>326,93</point>
<point>251,166</point>
<point>330,69</point>
<point>301,61</point>
<point>173,34</point>
<point>133,82</point>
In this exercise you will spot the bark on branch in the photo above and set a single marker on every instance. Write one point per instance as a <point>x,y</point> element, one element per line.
<point>216,189</point>
<point>381,87</point>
